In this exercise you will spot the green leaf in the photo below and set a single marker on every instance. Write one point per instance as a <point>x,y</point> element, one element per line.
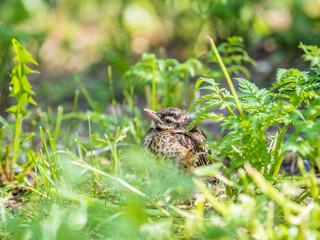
<point>255,94</point>
<point>12,109</point>
<point>30,100</point>
<point>24,98</point>
<point>26,85</point>
<point>312,54</point>
<point>280,73</point>
<point>207,80</point>
<point>317,70</point>
<point>22,54</point>
<point>16,85</point>
<point>202,99</point>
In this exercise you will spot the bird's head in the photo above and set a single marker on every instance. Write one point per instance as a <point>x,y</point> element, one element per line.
<point>169,119</point>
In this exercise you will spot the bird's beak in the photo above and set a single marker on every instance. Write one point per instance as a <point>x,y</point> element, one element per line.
<point>152,115</point>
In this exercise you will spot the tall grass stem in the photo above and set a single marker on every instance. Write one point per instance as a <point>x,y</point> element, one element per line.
<point>58,123</point>
<point>114,102</point>
<point>16,143</point>
<point>86,93</point>
<point>154,100</point>
<point>91,156</point>
<point>225,72</point>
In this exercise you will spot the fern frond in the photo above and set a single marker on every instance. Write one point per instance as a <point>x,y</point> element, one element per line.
<point>205,116</point>
<point>256,94</point>
<point>246,86</point>
<point>211,104</point>
<point>207,80</point>
<point>297,86</point>
<point>312,54</point>
<point>201,100</point>
<point>313,87</point>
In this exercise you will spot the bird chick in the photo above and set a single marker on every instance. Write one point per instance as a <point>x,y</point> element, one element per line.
<point>168,137</point>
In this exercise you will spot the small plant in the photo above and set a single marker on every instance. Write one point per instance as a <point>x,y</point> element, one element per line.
<point>170,79</point>
<point>251,136</point>
<point>311,53</point>
<point>21,90</point>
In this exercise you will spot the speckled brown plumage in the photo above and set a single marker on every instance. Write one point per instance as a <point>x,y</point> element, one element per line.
<point>168,137</point>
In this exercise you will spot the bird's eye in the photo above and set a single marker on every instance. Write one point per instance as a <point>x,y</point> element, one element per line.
<point>168,121</point>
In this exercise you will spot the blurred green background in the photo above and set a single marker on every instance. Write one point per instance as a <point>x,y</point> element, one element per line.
<point>84,37</point>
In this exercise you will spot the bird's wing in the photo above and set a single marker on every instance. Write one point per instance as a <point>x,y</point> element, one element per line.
<point>192,141</point>
<point>195,139</point>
